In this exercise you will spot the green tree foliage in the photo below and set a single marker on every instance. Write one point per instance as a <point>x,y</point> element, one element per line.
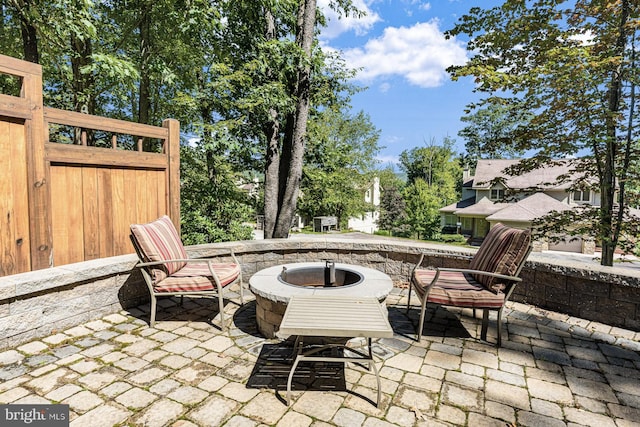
<point>435,165</point>
<point>339,164</point>
<point>433,181</point>
<point>422,204</point>
<point>393,211</point>
<point>571,67</point>
<point>213,209</point>
<point>489,130</point>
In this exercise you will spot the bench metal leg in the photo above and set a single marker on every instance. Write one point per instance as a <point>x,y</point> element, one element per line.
<point>368,358</point>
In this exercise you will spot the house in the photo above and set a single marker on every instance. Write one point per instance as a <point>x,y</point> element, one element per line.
<point>368,223</point>
<point>490,196</point>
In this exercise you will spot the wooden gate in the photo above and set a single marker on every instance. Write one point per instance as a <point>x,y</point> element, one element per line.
<point>69,200</point>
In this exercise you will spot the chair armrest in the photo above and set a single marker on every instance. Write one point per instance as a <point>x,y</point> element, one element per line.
<point>189,260</point>
<point>152,263</point>
<point>482,273</point>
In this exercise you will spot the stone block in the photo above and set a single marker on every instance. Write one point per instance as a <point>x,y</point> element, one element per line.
<point>626,293</point>
<point>4,310</point>
<point>556,294</point>
<point>290,256</point>
<point>16,324</point>
<point>551,280</point>
<point>620,308</point>
<point>580,286</point>
<point>274,257</point>
<point>252,258</point>
<point>7,289</point>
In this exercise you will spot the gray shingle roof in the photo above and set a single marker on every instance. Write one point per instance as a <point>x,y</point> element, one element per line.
<point>544,177</point>
<point>484,207</point>
<point>526,210</point>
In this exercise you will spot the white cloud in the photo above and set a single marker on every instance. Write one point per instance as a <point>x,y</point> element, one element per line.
<point>388,159</point>
<point>425,6</point>
<point>586,38</point>
<point>337,24</point>
<point>420,54</point>
<point>384,87</point>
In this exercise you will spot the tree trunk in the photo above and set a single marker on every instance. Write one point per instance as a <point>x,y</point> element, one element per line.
<point>144,26</point>
<point>83,100</point>
<point>29,35</point>
<point>609,230</point>
<point>271,176</point>
<point>83,97</point>
<point>295,142</point>
<point>272,156</point>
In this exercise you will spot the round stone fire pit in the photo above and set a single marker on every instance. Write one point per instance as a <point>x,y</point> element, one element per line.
<point>274,286</point>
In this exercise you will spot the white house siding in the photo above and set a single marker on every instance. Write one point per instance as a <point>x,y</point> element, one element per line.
<point>366,223</point>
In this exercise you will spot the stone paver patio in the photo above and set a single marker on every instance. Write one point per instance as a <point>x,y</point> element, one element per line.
<point>553,370</point>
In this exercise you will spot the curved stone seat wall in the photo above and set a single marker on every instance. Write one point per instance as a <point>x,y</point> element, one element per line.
<point>38,303</point>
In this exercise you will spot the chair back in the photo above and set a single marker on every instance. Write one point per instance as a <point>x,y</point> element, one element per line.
<point>159,241</point>
<point>503,251</point>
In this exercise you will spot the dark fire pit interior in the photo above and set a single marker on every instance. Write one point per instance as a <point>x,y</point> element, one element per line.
<point>328,276</point>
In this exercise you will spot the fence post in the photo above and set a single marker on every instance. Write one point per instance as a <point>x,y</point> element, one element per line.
<point>37,173</point>
<point>172,151</point>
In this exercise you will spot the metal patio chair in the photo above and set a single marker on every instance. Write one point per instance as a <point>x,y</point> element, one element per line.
<point>487,284</point>
<point>168,271</point>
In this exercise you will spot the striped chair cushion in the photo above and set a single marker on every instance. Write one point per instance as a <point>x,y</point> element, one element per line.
<point>502,251</point>
<point>159,241</point>
<point>456,289</point>
<point>226,272</point>
<point>196,277</point>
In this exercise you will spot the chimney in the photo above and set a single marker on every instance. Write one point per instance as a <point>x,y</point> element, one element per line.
<point>466,173</point>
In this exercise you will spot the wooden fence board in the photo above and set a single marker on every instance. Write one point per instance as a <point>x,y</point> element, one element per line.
<point>141,196</point>
<point>90,214</point>
<point>18,181</point>
<point>60,224</point>
<point>74,215</point>
<point>161,205</point>
<point>6,202</point>
<point>105,209</point>
<point>130,201</point>
<point>120,219</point>
<point>103,123</point>
<point>14,201</point>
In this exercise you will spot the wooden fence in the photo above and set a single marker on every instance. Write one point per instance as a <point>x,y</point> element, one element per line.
<point>74,199</point>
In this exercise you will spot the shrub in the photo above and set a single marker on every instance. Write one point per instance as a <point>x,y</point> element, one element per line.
<point>453,238</point>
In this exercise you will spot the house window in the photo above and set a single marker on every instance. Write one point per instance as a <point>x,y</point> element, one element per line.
<point>497,194</point>
<point>450,219</point>
<point>582,196</point>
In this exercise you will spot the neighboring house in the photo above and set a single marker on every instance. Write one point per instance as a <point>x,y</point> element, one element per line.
<point>368,223</point>
<point>251,188</point>
<point>513,202</point>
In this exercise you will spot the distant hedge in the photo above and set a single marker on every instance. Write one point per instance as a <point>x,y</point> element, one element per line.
<point>453,238</point>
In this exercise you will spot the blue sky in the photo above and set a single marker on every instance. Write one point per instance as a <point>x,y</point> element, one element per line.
<point>401,48</point>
